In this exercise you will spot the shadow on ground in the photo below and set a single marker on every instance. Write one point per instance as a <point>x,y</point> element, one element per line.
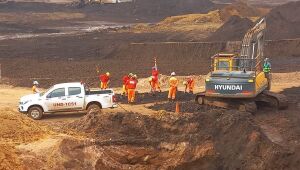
<point>145,98</point>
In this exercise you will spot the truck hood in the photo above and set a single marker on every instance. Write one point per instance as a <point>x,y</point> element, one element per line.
<point>30,97</point>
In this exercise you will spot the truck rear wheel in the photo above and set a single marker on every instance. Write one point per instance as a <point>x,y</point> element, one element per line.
<point>35,113</point>
<point>93,107</point>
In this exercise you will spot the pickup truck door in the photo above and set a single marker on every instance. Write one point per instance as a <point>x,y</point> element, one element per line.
<point>55,99</point>
<point>75,98</point>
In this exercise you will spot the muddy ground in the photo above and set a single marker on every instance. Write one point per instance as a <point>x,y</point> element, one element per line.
<point>54,58</point>
<point>195,141</point>
<point>67,58</point>
<point>150,135</point>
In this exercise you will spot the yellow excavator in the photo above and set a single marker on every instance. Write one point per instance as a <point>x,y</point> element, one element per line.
<point>238,81</point>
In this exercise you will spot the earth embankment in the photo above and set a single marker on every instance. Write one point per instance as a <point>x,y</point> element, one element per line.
<point>79,64</point>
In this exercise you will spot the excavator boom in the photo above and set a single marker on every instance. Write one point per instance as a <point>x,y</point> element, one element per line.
<point>252,51</point>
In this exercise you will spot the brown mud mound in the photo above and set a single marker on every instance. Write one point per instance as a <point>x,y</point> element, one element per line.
<point>16,129</point>
<point>215,139</point>
<point>241,9</point>
<point>233,30</point>
<point>9,158</point>
<point>283,22</point>
<point>184,107</point>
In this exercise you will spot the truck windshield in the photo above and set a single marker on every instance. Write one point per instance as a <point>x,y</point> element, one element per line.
<point>42,93</point>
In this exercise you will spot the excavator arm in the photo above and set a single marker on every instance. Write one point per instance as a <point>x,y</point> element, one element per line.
<point>252,51</point>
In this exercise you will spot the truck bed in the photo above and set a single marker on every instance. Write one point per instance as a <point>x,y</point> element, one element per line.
<point>93,92</point>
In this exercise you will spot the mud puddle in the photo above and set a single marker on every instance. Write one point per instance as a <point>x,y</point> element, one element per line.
<point>73,29</point>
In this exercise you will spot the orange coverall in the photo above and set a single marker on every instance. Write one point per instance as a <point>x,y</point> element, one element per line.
<point>154,84</point>
<point>191,85</point>
<point>104,81</point>
<point>173,87</point>
<point>131,86</point>
<point>154,81</point>
<point>125,79</point>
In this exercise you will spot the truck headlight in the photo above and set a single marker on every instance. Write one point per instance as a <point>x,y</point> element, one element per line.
<point>250,80</point>
<point>25,102</point>
<point>207,79</point>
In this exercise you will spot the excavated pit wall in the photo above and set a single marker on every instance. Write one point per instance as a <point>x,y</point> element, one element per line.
<point>182,57</point>
<point>194,57</point>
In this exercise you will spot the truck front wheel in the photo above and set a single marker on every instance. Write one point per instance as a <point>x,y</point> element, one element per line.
<point>35,113</point>
<point>93,107</point>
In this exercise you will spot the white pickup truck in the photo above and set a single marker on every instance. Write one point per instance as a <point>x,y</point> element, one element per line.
<point>66,97</point>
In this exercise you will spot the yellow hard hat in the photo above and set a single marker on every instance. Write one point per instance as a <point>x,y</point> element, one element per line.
<point>185,83</point>
<point>107,73</point>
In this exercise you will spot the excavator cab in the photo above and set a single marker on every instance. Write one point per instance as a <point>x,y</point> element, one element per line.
<point>224,62</point>
<point>230,78</point>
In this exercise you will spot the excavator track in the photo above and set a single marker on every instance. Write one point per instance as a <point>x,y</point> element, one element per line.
<point>271,99</point>
<point>246,105</point>
<point>275,100</point>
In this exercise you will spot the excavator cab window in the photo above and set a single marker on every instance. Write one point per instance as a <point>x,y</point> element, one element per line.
<point>223,65</point>
<point>225,62</point>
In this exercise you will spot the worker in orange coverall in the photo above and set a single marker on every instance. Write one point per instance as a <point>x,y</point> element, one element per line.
<point>153,80</point>
<point>189,84</point>
<point>104,79</point>
<point>130,87</point>
<point>125,79</point>
<point>173,82</point>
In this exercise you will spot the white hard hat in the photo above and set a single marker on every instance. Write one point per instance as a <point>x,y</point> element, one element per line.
<point>173,74</point>
<point>35,82</point>
<point>266,59</point>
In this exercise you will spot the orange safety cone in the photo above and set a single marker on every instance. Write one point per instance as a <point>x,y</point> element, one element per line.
<point>177,110</point>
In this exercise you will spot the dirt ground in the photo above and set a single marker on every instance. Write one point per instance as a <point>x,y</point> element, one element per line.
<point>65,59</point>
<point>149,135</point>
<point>54,57</point>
